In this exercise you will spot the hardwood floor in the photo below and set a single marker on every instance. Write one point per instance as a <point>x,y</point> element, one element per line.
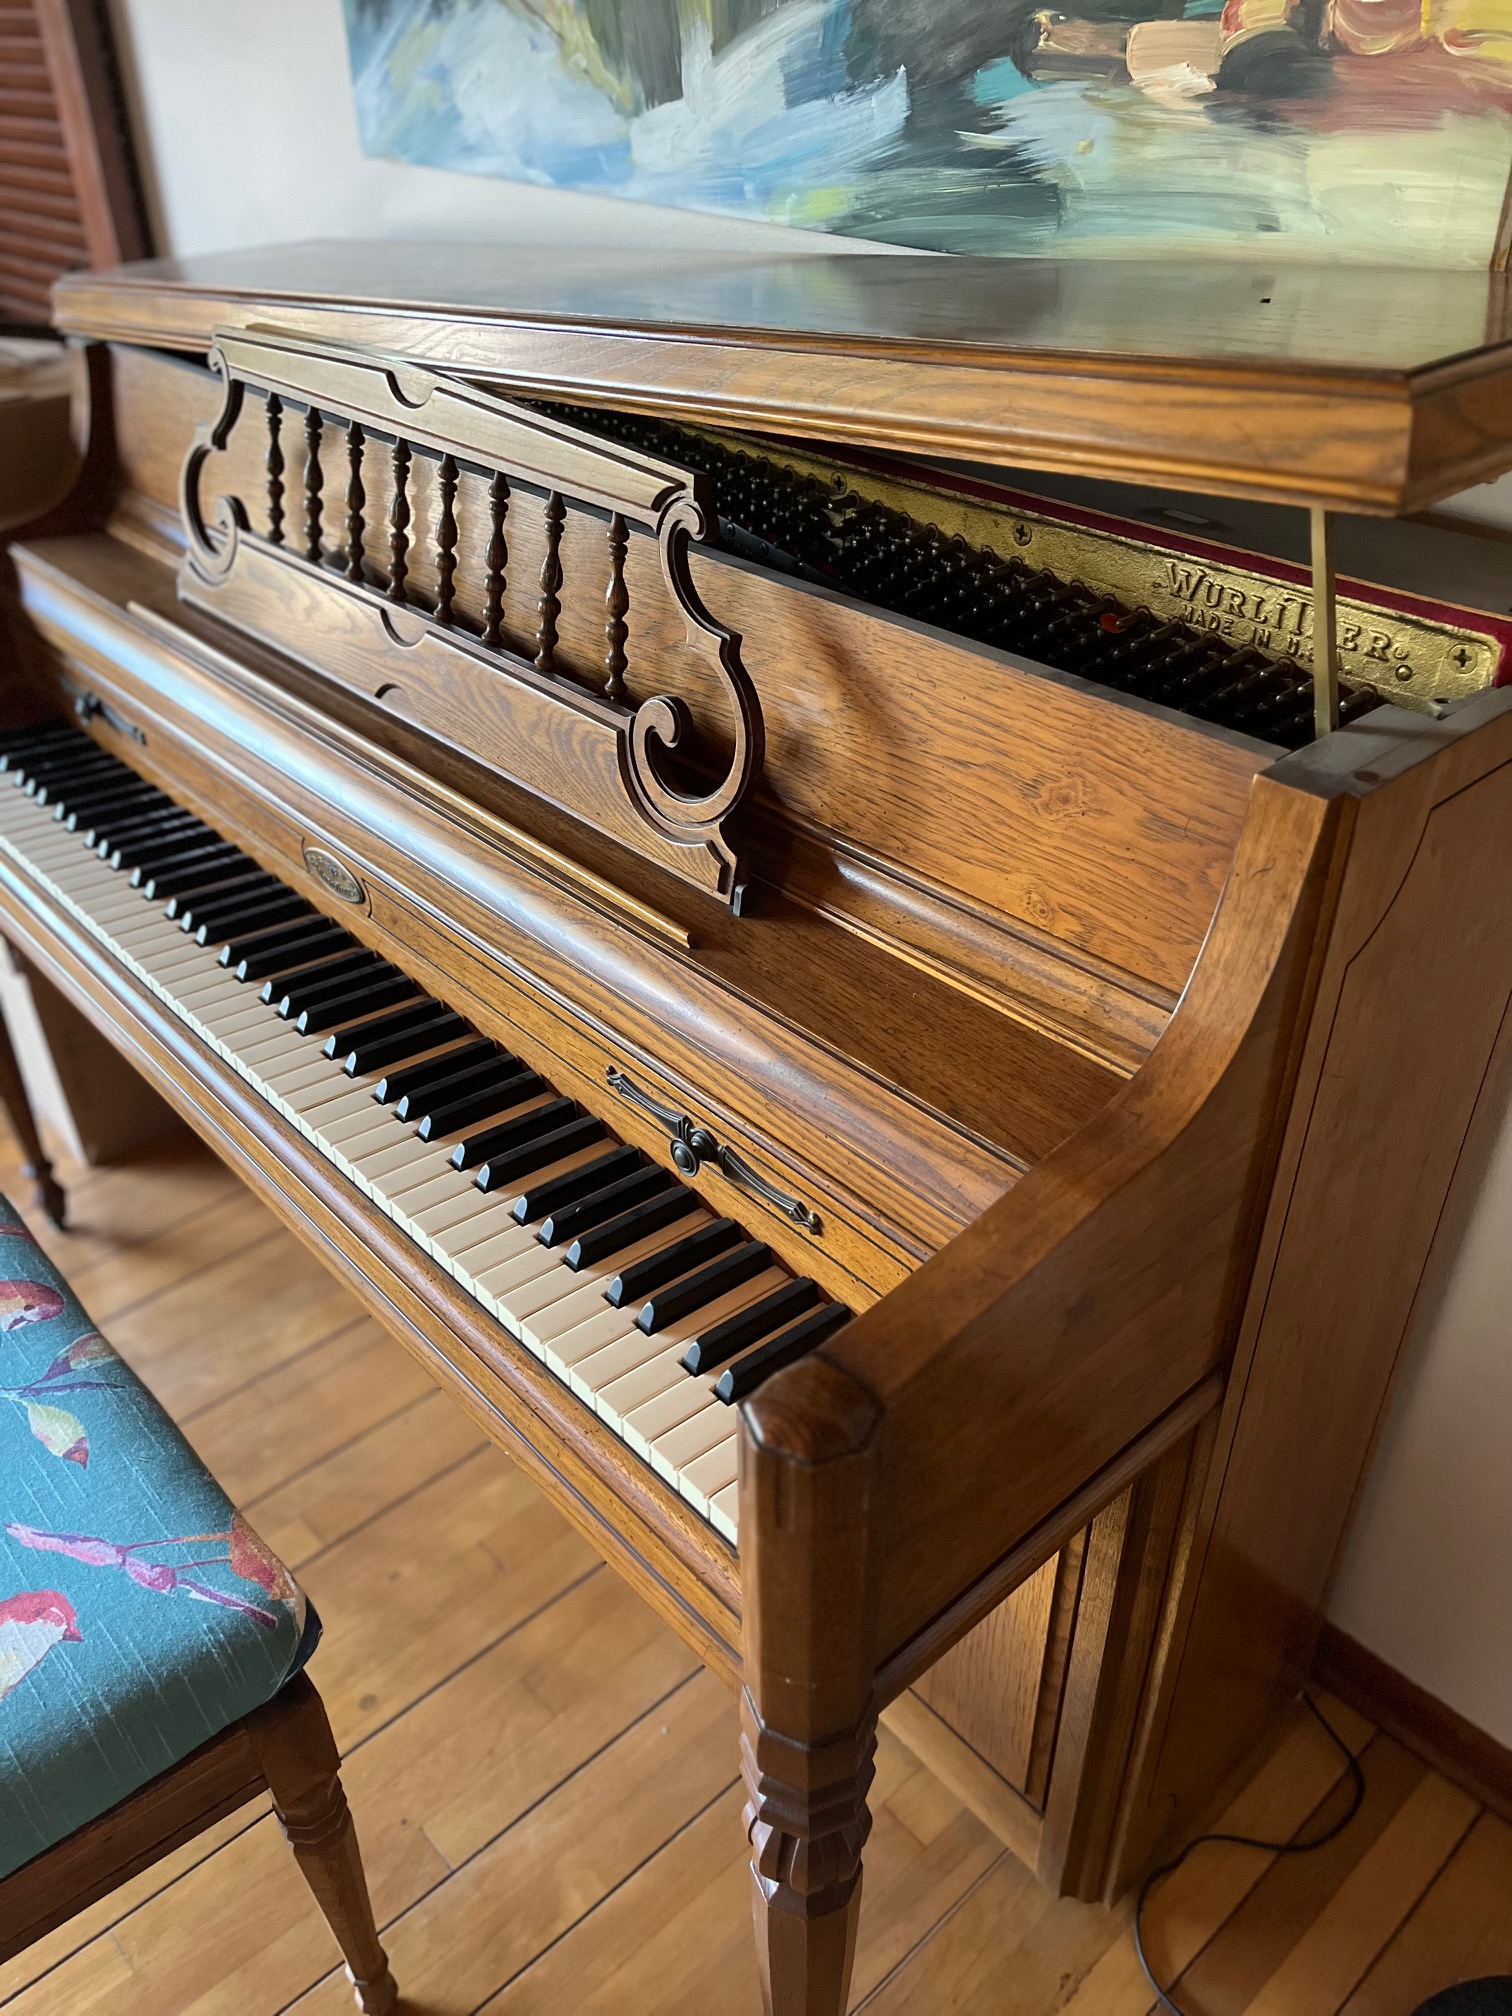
<point>543,1778</point>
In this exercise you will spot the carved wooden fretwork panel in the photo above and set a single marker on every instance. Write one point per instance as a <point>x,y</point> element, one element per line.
<point>322,564</point>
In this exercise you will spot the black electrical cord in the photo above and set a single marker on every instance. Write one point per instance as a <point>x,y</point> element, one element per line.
<point>1357,1778</point>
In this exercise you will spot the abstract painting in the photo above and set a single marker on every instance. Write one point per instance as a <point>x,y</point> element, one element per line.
<point>1371,130</point>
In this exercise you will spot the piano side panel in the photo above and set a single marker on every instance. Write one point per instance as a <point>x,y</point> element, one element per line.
<point>1412,1006</point>
<point>967,806</point>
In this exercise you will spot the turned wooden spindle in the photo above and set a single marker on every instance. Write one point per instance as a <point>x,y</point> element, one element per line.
<point>399,518</point>
<point>617,602</point>
<point>275,467</point>
<point>356,497</point>
<point>314,479</point>
<point>549,608</point>
<point>496,559</point>
<point>446,539</point>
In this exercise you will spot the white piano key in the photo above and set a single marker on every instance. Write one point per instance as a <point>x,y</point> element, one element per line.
<point>724,1512</point>
<point>706,1476</point>
<point>635,1382</point>
<point>695,1435</point>
<point>598,1354</point>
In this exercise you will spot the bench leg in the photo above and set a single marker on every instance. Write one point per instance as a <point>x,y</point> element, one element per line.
<point>297,1753</point>
<point>45,1186</point>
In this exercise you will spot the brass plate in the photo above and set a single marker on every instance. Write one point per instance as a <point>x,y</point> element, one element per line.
<point>1411,659</point>
<point>333,875</point>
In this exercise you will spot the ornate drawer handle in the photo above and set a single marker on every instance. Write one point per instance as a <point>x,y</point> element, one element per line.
<point>693,1145</point>
<point>90,707</point>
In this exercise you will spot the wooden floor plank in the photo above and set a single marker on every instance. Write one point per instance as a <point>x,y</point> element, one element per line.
<point>356,1483</point>
<point>1187,1909</point>
<point>1231,1971</point>
<point>429,1791</point>
<point>308,1409</point>
<point>1378,1894</point>
<point>1460,1931</point>
<point>222,1328</point>
<point>545,1784</point>
<point>677,1936</point>
<point>460,1944</point>
<point>430,1585</point>
<point>175,1255</point>
<point>125,1206</point>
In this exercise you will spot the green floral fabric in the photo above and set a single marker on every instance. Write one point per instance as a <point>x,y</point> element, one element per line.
<point>139,1613</point>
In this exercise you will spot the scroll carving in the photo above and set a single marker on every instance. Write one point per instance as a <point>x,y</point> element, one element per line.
<point>623,765</point>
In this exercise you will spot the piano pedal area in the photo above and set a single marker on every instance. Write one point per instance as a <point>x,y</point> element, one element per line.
<point>659,1315</point>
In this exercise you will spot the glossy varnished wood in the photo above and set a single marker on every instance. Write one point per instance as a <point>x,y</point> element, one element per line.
<point>1377,388</point>
<point>1028,1011</point>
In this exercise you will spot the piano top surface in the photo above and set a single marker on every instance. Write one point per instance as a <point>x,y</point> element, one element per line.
<point>1377,389</point>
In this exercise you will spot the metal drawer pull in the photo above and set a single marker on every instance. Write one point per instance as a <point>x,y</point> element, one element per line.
<point>90,707</point>
<point>693,1145</point>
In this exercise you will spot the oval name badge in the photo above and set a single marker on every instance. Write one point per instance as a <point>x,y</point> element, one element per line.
<point>333,875</point>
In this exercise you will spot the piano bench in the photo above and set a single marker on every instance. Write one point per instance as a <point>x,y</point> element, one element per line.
<point>152,1648</point>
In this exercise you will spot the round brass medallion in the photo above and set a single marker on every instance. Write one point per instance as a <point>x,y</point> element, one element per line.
<point>334,875</point>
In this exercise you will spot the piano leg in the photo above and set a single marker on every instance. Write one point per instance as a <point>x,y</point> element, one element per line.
<point>807,1819</point>
<point>36,1167</point>
<point>808,1717</point>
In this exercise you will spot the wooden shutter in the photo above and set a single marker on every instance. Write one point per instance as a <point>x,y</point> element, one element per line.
<point>68,190</point>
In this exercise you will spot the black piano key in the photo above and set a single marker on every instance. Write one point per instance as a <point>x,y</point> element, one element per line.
<point>643,1276</point>
<point>160,876</point>
<point>399,1088</point>
<point>380,1049</point>
<point>128,819</point>
<point>508,1169</point>
<point>508,1135</point>
<point>249,953</point>
<point>631,1226</point>
<point>738,1381</point>
<point>554,1191</point>
<point>247,917</point>
<point>748,1326</point>
<point>311,986</point>
<point>61,792</point>
<point>155,860</point>
<point>355,1006</point>
<point>122,800</point>
<point>681,1298</point>
<point>164,819</point>
<point>599,1206</point>
<point>48,780</point>
<point>452,1109</point>
<point>22,742</point>
<point>104,788</point>
<point>377,1024</point>
<point>119,845</point>
<point>212,887</point>
<point>300,964</point>
<point>256,901</point>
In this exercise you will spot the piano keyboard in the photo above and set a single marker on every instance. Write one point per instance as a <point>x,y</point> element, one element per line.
<point>653,1311</point>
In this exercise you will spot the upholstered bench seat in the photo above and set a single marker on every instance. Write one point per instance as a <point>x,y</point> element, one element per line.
<point>140,1615</point>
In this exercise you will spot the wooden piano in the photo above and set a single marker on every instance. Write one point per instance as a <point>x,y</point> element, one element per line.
<point>899,1075</point>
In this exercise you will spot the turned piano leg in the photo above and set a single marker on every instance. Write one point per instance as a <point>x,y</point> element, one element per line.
<point>808,1723</point>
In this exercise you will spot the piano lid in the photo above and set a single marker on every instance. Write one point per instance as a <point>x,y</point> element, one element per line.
<point>1369,388</point>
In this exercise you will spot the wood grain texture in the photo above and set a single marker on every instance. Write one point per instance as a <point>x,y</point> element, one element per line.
<point>1093,856</point>
<point>1318,1336</point>
<point>1379,390</point>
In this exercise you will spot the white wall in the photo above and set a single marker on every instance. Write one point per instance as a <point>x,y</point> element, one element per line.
<point>248,136</point>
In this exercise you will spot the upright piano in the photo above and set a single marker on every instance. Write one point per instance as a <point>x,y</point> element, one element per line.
<point>898,1043</point>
